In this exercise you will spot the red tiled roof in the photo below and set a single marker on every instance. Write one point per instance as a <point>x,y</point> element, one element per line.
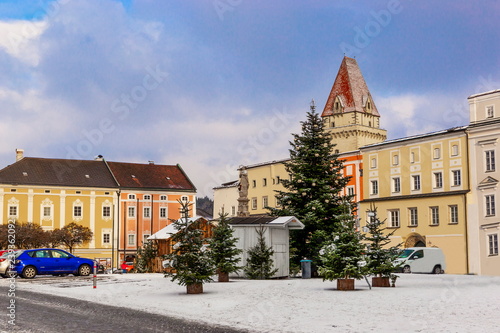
<point>151,176</point>
<point>352,89</point>
<point>57,172</point>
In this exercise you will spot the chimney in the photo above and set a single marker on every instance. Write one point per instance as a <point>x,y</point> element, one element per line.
<point>19,154</point>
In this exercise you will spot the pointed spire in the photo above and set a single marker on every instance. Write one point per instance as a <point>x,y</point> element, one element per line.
<point>349,91</point>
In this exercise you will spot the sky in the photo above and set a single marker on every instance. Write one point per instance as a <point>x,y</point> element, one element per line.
<point>214,84</point>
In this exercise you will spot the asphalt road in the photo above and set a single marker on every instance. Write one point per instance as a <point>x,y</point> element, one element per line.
<point>35,312</point>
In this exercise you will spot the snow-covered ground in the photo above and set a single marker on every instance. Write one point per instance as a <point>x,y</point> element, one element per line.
<point>419,303</point>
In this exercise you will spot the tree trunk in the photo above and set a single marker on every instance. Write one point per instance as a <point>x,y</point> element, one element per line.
<point>380,282</point>
<point>345,284</point>
<point>195,288</point>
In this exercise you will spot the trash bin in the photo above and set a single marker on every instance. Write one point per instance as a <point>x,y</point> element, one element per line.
<point>305,265</point>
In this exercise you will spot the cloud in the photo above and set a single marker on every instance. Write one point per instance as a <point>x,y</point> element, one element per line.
<point>411,114</point>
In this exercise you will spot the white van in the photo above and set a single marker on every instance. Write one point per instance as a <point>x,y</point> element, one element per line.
<point>422,260</point>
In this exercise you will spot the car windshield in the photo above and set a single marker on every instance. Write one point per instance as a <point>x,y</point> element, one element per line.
<point>405,253</point>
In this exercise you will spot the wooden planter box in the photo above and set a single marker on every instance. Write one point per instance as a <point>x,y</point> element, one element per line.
<point>195,288</point>
<point>381,282</point>
<point>345,284</point>
<point>223,277</point>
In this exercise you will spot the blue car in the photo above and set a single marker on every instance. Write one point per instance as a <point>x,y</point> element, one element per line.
<point>29,263</point>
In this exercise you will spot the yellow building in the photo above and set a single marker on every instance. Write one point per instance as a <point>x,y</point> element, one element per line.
<point>419,185</point>
<point>54,193</point>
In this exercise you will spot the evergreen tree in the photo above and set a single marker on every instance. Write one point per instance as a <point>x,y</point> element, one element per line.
<point>314,191</point>
<point>381,259</point>
<point>189,259</point>
<point>342,256</point>
<point>260,262</point>
<point>225,255</point>
<point>146,255</point>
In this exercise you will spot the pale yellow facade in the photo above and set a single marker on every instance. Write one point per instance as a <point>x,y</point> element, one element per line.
<point>264,179</point>
<point>483,215</point>
<point>55,207</point>
<point>226,200</point>
<point>419,186</point>
<point>352,130</point>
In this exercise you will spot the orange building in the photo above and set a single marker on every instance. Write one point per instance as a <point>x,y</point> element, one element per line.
<point>149,200</point>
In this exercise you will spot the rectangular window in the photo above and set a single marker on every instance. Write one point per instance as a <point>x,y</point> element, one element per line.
<point>131,212</point>
<point>46,212</point>
<point>278,180</point>
<point>437,153</point>
<point>254,183</point>
<point>233,210</point>
<point>416,182</point>
<point>265,202</point>
<point>350,191</point>
<point>77,211</point>
<point>145,238</point>
<point>147,212</point>
<point>490,112</point>
<point>493,244</point>
<point>395,159</point>
<point>374,186</point>
<point>163,212</point>
<point>373,163</point>
<point>264,182</point>
<point>413,217</point>
<point>434,215</point>
<point>163,197</point>
<point>453,214</point>
<point>131,239</point>
<point>454,150</point>
<point>490,160</point>
<point>490,205</point>
<point>394,218</point>
<point>457,177</point>
<point>438,180</point>
<point>12,211</point>
<point>254,203</point>
<point>396,185</point>
<point>106,211</point>
<point>131,196</point>
<point>106,238</point>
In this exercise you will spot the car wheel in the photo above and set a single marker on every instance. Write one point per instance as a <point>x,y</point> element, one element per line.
<point>29,272</point>
<point>406,269</point>
<point>84,270</point>
<point>437,270</point>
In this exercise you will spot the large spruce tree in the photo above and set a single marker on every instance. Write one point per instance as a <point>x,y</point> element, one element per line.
<point>314,191</point>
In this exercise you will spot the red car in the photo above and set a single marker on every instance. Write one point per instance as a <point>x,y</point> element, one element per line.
<point>127,266</point>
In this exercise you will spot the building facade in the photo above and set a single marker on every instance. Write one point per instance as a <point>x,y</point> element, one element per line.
<point>483,220</point>
<point>419,186</point>
<point>103,196</point>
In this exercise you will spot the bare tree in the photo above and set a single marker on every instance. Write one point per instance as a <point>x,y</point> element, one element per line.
<point>73,235</point>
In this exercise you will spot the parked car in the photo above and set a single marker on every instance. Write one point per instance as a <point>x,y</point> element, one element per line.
<point>422,260</point>
<point>127,266</point>
<point>29,263</point>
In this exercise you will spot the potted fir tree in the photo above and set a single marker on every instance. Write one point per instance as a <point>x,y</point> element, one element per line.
<point>260,258</point>
<point>342,256</point>
<point>380,258</point>
<point>190,260</point>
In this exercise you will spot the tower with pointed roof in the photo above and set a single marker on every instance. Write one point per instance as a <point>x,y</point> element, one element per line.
<point>350,114</point>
